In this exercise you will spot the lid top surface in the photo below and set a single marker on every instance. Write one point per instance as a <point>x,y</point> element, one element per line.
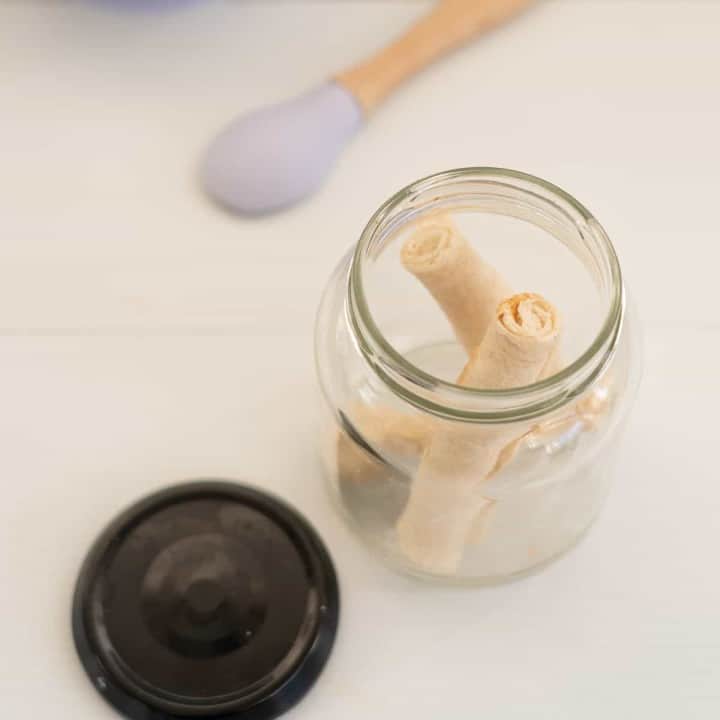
<point>208,599</point>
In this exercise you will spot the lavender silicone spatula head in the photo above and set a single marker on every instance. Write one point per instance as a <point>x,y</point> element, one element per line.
<point>272,158</point>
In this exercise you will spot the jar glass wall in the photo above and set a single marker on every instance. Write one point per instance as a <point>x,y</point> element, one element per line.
<point>524,470</point>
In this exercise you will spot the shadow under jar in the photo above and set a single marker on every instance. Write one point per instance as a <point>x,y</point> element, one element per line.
<point>388,359</point>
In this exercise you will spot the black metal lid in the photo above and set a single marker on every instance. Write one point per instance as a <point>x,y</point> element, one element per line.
<point>206,600</point>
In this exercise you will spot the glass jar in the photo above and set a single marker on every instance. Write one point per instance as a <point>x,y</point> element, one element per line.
<point>388,362</point>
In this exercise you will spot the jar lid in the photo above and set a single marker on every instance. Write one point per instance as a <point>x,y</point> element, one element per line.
<point>206,600</point>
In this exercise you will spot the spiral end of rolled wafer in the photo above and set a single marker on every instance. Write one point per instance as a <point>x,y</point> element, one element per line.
<point>433,248</point>
<point>529,315</point>
<point>518,345</point>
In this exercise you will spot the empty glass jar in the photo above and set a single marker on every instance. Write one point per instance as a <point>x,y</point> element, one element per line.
<point>443,478</point>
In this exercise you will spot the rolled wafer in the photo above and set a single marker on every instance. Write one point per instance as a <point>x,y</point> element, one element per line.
<point>446,494</point>
<point>389,432</point>
<point>467,289</point>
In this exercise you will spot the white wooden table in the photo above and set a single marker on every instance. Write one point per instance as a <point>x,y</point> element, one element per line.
<point>135,319</point>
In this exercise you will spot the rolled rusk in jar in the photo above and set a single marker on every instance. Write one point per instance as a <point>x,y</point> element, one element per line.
<point>467,289</point>
<point>393,434</point>
<point>446,494</point>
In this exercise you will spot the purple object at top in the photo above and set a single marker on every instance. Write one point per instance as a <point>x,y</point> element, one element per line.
<point>147,5</point>
<point>274,157</point>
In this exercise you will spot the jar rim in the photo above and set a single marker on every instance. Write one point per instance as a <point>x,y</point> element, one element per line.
<point>450,400</point>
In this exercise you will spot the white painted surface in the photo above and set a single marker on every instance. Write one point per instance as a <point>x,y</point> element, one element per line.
<point>136,319</point>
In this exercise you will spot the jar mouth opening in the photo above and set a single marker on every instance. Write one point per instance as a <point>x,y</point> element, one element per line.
<point>450,400</point>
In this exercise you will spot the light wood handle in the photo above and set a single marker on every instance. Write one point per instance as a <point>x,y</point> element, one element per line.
<point>449,25</point>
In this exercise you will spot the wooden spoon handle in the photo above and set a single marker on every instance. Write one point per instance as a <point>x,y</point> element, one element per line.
<point>449,25</point>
